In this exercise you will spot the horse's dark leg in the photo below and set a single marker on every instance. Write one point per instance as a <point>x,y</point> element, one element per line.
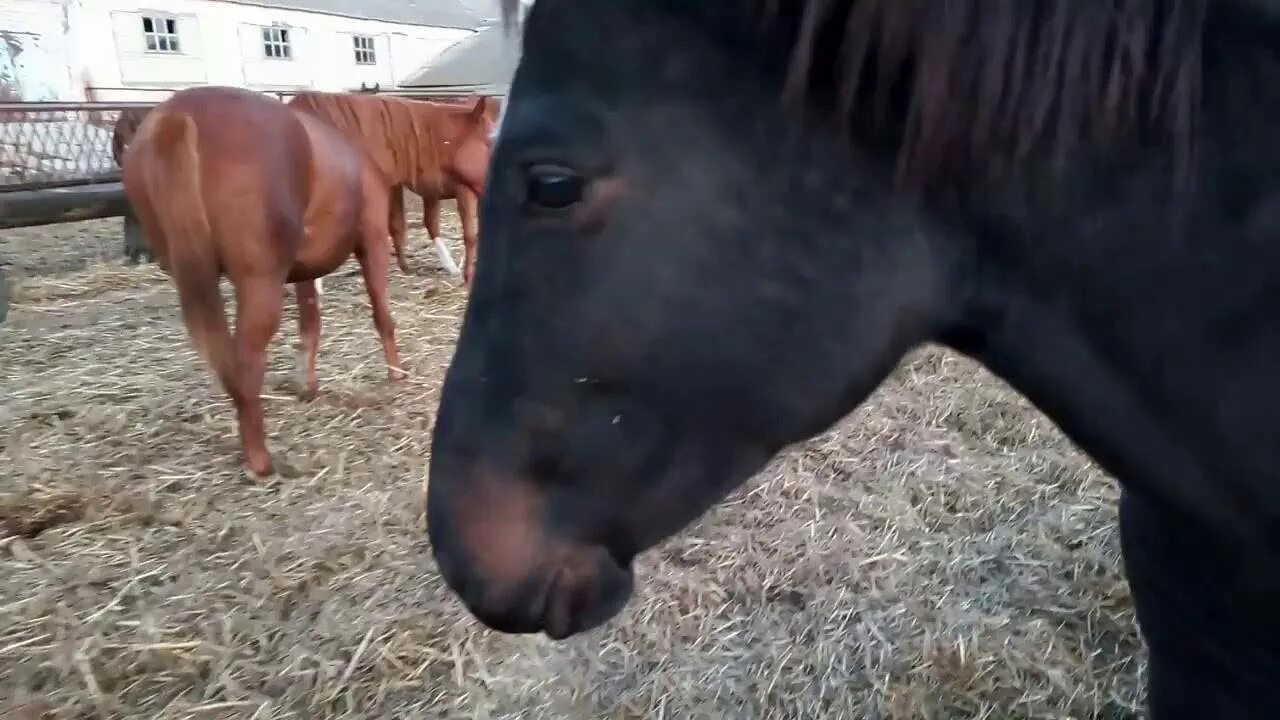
<point>4,295</point>
<point>1214,648</point>
<point>259,302</point>
<point>136,246</point>
<point>309,334</point>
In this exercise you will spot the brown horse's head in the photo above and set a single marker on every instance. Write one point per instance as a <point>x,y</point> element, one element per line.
<point>468,132</point>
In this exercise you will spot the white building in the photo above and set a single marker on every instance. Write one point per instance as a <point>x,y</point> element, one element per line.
<point>142,50</point>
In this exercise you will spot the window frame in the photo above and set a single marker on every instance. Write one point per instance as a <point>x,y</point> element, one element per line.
<point>366,45</point>
<point>165,35</point>
<point>277,42</point>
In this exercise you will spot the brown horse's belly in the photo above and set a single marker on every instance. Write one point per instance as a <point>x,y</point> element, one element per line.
<point>332,221</point>
<point>324,248</point>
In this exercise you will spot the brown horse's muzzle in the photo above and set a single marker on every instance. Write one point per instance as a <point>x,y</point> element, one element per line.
<point>489,536</point>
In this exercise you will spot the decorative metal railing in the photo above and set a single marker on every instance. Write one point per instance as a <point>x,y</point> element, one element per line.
<point>48,144</point>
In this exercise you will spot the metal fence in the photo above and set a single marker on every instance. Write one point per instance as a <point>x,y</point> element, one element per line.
<point>44,145</point>
<point>286,95</point>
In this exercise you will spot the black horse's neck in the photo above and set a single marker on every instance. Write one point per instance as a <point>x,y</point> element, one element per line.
<point>1144,321</point>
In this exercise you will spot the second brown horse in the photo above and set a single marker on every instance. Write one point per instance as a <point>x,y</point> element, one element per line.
<point>231,182</point>
<point>436,150</point>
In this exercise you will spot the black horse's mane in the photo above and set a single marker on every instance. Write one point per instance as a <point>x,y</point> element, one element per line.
<point>985,80</point>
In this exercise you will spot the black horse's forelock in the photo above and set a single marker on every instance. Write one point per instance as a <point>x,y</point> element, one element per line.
<point>992,79</point>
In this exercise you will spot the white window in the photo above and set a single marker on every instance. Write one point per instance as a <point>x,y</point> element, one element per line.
<point>275,43</point>
<point>161,34</point>
<point>364,50</point>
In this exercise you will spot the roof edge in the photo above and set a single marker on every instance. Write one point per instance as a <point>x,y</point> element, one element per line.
<point>475,27</point>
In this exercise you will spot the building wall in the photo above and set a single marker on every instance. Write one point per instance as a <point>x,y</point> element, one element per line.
<point>96,49</point>
<point>34,62</point>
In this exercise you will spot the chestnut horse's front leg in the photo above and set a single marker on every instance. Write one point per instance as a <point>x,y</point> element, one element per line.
<point>469,214</point>
<point>397,227</point>
<point>374,267</point>
<point>431,219</point>
<point>309,332</point>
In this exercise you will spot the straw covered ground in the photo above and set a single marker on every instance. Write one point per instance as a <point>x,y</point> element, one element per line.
<point>944,553</point>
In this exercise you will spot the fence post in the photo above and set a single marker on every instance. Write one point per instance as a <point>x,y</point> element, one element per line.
<point>4,295</point>
<point>136,246</point>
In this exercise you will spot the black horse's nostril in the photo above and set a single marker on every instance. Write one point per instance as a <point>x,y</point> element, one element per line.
<point>587,592</point>
<point>500,550</point>
<point>508,622</point>
<point>515,610</point>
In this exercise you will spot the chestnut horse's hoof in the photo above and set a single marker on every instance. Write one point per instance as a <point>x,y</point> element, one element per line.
<point>309,393</point>
<point>263,470</point>
<point>260,468</point>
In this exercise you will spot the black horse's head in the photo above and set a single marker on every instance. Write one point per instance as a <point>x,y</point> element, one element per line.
<point>680,276</point>
<point>675,283</point>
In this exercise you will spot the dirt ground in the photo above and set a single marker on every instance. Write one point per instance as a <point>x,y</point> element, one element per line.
<point>943,553</point>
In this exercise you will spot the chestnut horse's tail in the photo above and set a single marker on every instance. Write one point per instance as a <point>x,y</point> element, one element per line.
<point>173,184</point>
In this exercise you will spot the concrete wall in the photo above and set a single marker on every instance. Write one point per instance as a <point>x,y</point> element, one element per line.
<point>95,49</point>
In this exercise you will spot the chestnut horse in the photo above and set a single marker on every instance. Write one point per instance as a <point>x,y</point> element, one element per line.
<point>230,181</point>
<point>435,150</point>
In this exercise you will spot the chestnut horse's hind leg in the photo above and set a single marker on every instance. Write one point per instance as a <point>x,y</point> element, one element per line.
<point>374,266</point>
<point>309,333</point>
<point>431,219</point>
<point>259,304</point>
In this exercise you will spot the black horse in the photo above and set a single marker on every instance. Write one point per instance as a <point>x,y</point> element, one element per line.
<point>1084,195</point>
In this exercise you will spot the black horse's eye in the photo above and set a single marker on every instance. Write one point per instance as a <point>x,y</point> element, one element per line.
<point>553,187</point>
